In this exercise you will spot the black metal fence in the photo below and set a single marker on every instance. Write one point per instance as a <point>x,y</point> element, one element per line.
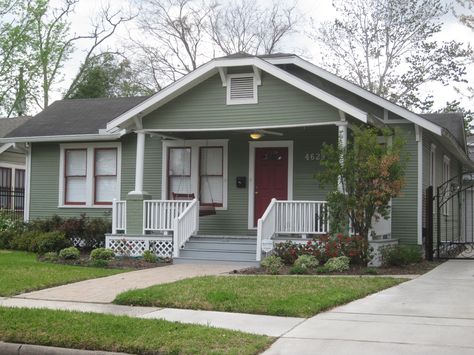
<point>12,202</point>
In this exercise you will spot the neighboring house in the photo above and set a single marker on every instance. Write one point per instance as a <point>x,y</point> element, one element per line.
<point>12,169</point>
<point>230,136</point>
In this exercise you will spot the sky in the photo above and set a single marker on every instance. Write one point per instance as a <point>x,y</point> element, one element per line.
<point>317,10</point>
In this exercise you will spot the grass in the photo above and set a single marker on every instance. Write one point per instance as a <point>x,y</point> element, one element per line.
<point>296,296</point>
<point>122,334</point>
<point>21,272</point>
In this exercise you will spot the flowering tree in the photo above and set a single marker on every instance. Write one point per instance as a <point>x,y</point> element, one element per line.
<point>363,178</point>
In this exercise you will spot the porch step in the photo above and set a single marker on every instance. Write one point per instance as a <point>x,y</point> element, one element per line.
<point>205,249</point>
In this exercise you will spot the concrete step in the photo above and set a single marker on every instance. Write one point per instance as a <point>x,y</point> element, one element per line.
<point>218,254</point>
<point>238,263</point>
<point>218,245</point>
<point>224,239</point>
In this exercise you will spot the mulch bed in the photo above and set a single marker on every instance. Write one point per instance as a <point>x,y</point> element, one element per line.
<point>413,269</point>
<point>116,263</point>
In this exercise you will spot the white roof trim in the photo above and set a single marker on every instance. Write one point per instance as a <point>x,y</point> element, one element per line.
<point>413,117</point>
<point>62,138</point>
<point>207,70</point>
<point>6,146</point>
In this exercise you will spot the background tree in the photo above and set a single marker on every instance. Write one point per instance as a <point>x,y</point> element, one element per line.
<point>388,48</point>
<point>362,178</point>
<point>174,37</point>
<point>106,75</point>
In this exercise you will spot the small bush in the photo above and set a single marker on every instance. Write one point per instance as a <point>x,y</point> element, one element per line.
<point>102,254</point>
<point>287,251</point>
<point>50,257</point>
<point>338,264</point>
<point>7,238</point>
<point>45,242</point>
<point>150,257</point>
<point>272,264</point>
<point>298,270</point>
<point>306,262</point>
<point>400,255</point>
<point>71,253</point>
<point>322,270</point>
<point>371,271</point>
<point>99,263</point>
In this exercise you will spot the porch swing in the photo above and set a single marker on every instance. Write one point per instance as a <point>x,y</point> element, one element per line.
<point>207,210</point>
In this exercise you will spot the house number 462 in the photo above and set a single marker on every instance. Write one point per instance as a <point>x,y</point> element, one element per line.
<point>312,156</point>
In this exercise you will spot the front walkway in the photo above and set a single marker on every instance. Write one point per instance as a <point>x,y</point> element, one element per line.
<point>105,289</point>
<point>432,314</point>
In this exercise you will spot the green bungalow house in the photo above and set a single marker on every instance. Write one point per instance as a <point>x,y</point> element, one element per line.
<point>221,163</point>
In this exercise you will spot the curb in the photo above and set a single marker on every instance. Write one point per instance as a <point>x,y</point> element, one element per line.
<point>28,349</point>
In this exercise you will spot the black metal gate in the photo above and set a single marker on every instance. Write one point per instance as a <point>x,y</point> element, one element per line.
<point>454,216</point>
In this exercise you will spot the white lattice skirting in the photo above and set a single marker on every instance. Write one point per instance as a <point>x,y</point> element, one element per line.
<point>135,246</point>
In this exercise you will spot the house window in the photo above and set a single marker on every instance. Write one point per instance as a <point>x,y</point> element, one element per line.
<point>241,89</point>
<point>105,175</point>
<point>446,178</point>
<point>179,171</point>
<point>5,188</point>
<point>197,167</point>
<point>75,176</point>
<point>211,176</point>
<point>433,166</point>
<point>89,174</point>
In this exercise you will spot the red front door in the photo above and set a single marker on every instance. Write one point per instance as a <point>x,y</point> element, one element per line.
<point>271,178</point>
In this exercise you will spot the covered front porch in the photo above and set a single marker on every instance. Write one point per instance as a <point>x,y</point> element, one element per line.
<point>257,190</point>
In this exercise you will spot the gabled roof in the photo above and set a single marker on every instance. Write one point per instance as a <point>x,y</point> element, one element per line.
<point>453,122</point>
<point>8,124</point>
<point>75,117</point>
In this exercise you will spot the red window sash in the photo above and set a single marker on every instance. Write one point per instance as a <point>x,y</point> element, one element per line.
<point>66,176</point>
<point>105,203</point>
<point>202,176</point>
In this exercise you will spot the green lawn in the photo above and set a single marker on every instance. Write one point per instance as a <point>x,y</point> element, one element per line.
<point>21,272</point>
<point>298,296</point>
<point>122,334</point>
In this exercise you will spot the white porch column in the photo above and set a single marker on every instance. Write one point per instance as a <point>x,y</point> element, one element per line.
<point>139,165</point>
<point>342,143</point>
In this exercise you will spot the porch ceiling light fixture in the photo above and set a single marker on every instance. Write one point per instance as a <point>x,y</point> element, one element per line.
<point>256,135</point>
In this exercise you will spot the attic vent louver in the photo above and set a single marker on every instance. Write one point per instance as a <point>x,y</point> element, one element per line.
<point>241,89</point>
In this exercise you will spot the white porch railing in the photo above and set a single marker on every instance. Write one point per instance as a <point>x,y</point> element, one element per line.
<point>185,226</point>
<point>119,216</point>
<point>291,217</point>
<point>159,215</point>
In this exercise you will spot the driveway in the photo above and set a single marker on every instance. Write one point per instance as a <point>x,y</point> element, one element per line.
<point>105,289</point>
<point>432,314</point>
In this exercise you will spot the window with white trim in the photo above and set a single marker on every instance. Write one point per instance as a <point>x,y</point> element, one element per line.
<point>241,89</point>
<point>197,167</point>
<point>446,177</point>
<point>89,174</point>
<point>433,166</point>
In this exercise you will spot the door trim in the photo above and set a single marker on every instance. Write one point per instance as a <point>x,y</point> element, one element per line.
<point>251,192</point>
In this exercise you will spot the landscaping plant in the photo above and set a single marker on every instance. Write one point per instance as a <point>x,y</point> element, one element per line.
<point>102,254</point>
<point>306,262</point>
<point>149,256</point>
<point>338,264</point>
<point>71,253</point>
<point>400,255</point>
<point>272,264</point>
<point>363,177</point>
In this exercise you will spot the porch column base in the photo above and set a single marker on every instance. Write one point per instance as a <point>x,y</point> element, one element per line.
<point>135,211</point>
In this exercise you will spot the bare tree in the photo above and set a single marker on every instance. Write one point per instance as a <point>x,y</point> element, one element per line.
<point>244,26</point>
<point>466,13</point>
<point>387,47</point>
<point>176,36</point>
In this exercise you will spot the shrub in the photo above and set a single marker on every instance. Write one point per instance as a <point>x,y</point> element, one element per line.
<point>287,251</point>
<point>24,241</point>
<point>102,254</point>
<point>71,253</point>
<point>400,255</point>
<point>298,270</point>
<point>306,262</point>
<point>272,264</point>
<point>50,256</point>
<point>150,257</point>
<point>7,238</point>
<point>99,263</point>
<point>338,264</point>
<point>52,241</point>
<point>371,271</point>
<point>322,270</point>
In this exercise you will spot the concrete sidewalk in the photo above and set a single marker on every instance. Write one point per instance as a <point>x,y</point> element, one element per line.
<point>432,314</point>
<point>249,323</point>
<point>105,289</point>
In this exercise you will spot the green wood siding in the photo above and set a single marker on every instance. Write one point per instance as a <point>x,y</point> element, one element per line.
<point>205,107</point>
<point>12,157</point>
<point>405,207</point>
<point>44,191</point>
